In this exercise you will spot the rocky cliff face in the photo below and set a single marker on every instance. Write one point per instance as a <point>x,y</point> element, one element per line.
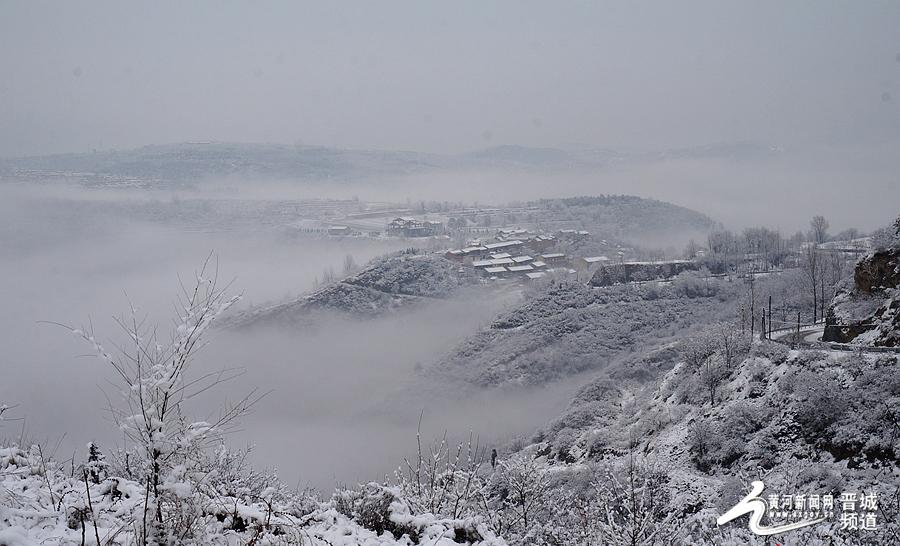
<point>878,271</point>
<point>867,312</point>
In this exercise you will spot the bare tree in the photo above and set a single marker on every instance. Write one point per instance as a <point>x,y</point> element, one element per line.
<point>697,353</point>
<point>445,481</point>
<point>696,350</point>
<point>819,229</point>
<point>690,251</point>
<point>811,266</point>
<point>731,343</point>
<point>526,486</point>
<point>635,507</point>
<point>168,446</point>
<point>700,437</point>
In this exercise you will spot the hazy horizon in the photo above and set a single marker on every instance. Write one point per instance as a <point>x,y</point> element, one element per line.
<point>447,78</point>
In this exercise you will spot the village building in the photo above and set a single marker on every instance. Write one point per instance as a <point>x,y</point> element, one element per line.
<point>586,265</point>
<point>503,246</point>
<point>471,252</point>
<point>589,263</point>
<point>554,258</point>
<point>513,234</point>
<point>540,243</point>
<point>413,227</point>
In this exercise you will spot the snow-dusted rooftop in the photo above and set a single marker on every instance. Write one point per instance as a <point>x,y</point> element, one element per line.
<point>503,244</point>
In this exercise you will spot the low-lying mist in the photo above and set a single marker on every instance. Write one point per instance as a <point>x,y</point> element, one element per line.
<point>345,396</point>
<point>783,191</point>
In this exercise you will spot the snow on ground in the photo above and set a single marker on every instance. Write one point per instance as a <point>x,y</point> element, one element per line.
<point>44,502</point>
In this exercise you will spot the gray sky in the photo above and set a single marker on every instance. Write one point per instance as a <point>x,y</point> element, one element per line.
<point>451,77</point>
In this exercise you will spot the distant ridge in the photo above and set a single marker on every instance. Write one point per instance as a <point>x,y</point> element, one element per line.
<point>188,162</point>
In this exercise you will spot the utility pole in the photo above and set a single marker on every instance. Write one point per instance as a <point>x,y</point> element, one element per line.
<point>769,331</point>
<point>762,326</point>
<point>752,312</point>
<point>822,298</point>
<point>797,337</point>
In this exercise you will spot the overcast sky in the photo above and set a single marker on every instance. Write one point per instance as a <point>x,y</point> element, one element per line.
<point>451,77</point>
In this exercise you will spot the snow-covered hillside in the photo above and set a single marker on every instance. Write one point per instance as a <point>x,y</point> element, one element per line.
<point>774,411</point>
<point>568,328</point>
<point>387,284</point>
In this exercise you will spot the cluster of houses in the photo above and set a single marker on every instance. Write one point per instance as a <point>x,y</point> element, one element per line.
<point>504,264</point>
<point>507,258</point>
<point>525,259</point>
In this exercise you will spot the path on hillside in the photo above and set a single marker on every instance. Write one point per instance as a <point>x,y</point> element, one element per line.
<point>811,338</point>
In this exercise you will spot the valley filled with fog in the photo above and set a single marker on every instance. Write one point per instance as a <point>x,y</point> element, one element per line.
<point>438,274</point>
<point>343,398</point>
<point>382,317</point>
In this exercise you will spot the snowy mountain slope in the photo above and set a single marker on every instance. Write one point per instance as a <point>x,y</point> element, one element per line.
<point>626,215</point>
<point>804,422</point>
<point>569,328</point>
